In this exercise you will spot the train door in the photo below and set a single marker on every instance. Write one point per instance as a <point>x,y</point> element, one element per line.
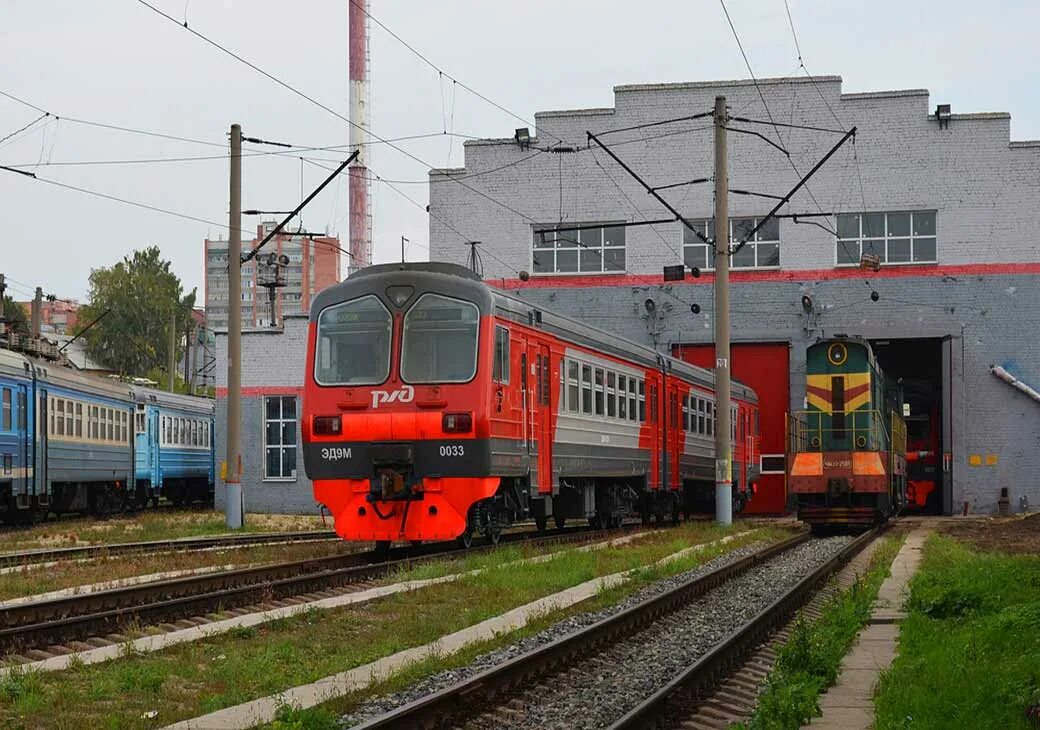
<point>39,483</point>
<point>152,449</point>
<point>541,414</point>
<point>676,436</point>
<point>23,443</point>
<point>653,408</point>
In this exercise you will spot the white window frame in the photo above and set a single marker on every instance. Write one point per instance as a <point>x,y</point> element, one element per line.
<point>858,242</point>
<point>281,420</point>
<point>703,225</point>
<point>761,463</point>
<point>577,235</point>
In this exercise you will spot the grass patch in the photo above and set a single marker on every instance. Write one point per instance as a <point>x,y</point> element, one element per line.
<point>808,662</point>
<point>144,526</point>
<point>969,651</point>
<point>192,679</point>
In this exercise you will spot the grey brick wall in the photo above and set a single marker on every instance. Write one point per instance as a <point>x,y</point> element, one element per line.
<point>990,320</point>
<point>984,187</point>
<point>272,364</point>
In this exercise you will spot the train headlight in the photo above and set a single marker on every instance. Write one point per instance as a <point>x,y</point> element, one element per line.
<point>328,425</point>
<point>457,422</point>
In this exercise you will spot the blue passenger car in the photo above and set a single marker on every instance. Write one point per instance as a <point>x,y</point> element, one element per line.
<point>16,438</point>
<point>174,440</point>
<point>65,440</point>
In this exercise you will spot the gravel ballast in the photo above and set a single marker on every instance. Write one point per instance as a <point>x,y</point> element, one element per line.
<point>594,693</point>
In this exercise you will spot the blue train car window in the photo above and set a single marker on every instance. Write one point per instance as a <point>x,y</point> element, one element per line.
<point>22,415</point>
<point>6,421</point>
<point>79,420</point>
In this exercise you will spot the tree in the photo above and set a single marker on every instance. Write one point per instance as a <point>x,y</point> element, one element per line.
<point>141,296</point>
<point>15,316</point>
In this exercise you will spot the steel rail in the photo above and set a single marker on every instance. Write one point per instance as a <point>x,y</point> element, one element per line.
<point>454,703</point>
<point>679,698</point>
<point>32,557</point>
<point>53,621</point>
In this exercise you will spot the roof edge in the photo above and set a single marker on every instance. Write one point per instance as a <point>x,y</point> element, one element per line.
<point>681,85</point>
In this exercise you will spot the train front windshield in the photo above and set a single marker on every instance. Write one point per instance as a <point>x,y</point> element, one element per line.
<point>354,343</point>
<point>439,341</point>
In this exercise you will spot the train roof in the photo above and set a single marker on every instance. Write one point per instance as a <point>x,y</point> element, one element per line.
<point>455,280</point>
<point>143,394</point>
<point>58,374</point>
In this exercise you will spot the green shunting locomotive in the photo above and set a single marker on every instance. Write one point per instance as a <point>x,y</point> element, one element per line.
<point>847,450</point>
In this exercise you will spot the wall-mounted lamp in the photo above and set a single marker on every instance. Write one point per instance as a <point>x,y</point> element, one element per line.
<point>523,137</point>
<point>874,296</point>
<point>650,306</point>
<point>807,303</point>
<point>943,115</point>
<point>524,276</point>
<point>695,308</point>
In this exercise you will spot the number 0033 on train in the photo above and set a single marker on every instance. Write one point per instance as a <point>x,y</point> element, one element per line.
<point>436,407</point>
<point>847,450</point>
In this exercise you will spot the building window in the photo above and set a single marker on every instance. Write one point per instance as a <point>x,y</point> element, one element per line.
<point>500,371</point>
<point>761,252</point>
<point>591,251</point>
<point>280,437</point>
<point>895,238</point>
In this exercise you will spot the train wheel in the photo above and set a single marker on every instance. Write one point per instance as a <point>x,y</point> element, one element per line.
<point>560,522</point>
<point>541,523</point>
<point>466,538</point>
<point>494,534</point>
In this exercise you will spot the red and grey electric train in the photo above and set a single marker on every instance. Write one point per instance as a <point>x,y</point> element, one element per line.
<point>436,407</point>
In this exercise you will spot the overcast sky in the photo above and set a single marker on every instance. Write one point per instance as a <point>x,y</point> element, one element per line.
<point>117,62</point>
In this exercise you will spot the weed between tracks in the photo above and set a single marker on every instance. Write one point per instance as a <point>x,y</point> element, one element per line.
<point>808,662</point>
<point>191,679</point>
<point>969,651</point>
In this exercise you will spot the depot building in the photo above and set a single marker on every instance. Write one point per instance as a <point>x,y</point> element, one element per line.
<point>919,233</point>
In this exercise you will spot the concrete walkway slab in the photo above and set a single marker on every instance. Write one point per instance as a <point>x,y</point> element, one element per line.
<point>849,704</point>
<point>256,712</point>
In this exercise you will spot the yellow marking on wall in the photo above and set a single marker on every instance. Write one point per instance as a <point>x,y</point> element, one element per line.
<point>991,459</point>
<point>975,460</point>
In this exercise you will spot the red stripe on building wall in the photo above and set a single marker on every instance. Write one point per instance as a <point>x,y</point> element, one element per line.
<point>253,392</point>
<point>738,276</point>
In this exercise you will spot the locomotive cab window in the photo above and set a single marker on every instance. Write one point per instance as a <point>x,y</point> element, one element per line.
<point>353,343</point>
<point>439,341</point>
<point>500,371</point>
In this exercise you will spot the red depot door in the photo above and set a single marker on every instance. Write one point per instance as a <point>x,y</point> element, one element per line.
<point>766,367</point>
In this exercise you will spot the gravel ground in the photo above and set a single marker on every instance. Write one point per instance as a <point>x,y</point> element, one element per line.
<point>641,664</point>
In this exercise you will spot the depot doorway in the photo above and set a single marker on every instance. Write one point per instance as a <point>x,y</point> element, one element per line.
<point>921,365</point>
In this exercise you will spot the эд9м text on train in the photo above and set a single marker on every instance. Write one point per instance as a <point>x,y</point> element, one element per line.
<point>436,407</point>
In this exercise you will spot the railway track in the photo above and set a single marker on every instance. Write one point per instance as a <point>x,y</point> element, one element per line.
<point>37,630</point>
<point>640,666</point>
<point>49,555</point>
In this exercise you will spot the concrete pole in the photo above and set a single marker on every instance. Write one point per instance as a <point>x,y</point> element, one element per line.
<point>187,358</point>
<point>37,313</point>
<point>723,448</point>
<point>171,357</point>
<point>196,346</point>
<point>234,510</point>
